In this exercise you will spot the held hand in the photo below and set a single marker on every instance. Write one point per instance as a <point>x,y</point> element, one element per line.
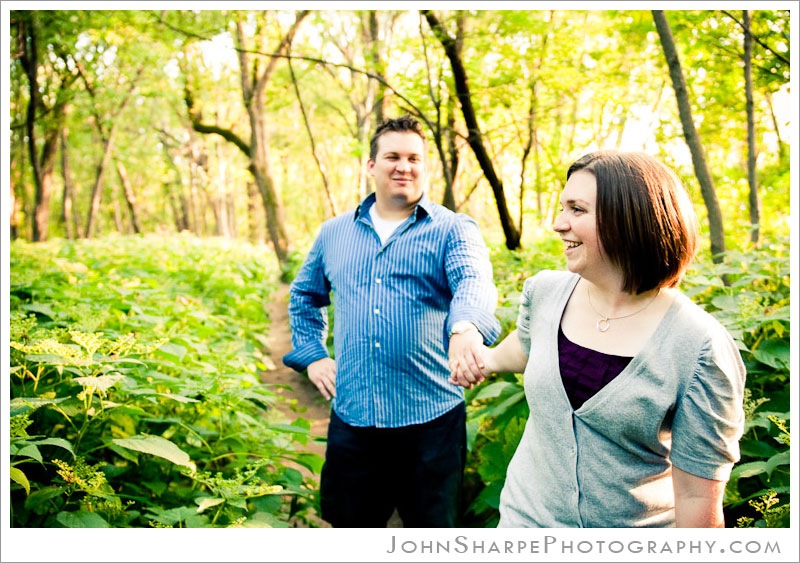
<point>322,373</point>
<point>467,364</point>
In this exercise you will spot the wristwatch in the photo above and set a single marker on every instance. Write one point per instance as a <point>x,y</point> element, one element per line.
<point>460,327</point>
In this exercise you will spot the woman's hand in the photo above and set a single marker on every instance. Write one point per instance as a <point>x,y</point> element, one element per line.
<point>467,364</point>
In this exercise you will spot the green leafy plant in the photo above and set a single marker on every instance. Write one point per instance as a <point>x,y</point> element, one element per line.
<point>136,392</point>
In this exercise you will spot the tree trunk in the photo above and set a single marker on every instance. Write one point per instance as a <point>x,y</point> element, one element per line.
<point>450,157</point>
<point>254,82</point>
<point>130,197</point>
<point>253,229</point>
<point>474,137</point>
<point>119,224</point>
<point>752,179</point>
<point>314,153</point>
<point>97,189</point>
<point>43,164</point>
<point>716,231</point>
<point>69,211</point>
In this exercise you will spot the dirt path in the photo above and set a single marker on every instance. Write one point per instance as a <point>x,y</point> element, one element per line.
<point>309,403</point>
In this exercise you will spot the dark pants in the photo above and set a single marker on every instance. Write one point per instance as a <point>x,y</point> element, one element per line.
<point>418,470</point>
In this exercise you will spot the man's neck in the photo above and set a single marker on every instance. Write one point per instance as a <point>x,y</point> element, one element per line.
<point>393,211</point>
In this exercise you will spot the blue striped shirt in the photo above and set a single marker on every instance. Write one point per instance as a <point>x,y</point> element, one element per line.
<point>394,305</point>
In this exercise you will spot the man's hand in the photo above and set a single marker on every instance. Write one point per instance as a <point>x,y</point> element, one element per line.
<point>322,373</point>
<point>466,361</point>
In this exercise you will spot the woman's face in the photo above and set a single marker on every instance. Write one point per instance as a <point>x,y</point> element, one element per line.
<point>577,224</point>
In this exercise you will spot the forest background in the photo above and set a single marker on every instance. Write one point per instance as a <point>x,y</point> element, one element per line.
<point>166,170</point>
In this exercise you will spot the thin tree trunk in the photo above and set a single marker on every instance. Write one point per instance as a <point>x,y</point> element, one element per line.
<point>526,150</point>
<point>450,164</point>
<point>253,230</point>
<point>130,197</point>
<point>776,128</point>
<point>474,137</point>
<point>119,224</point>
<point>68,209</point>
<point>107,137</point>
<point>97,188</point>
<point>254,83</point>
<point>314,153</point>
<point>44,164</point>
<point>752,151</point>
<point>716,231</point>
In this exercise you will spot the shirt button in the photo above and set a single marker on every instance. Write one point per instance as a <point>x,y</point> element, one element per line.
<point>377,345</point>
<point>377,280</point>
<point>377,311</point>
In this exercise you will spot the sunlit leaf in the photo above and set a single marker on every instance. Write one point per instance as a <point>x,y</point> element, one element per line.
<point>19,477</point>
<point>157,446</point>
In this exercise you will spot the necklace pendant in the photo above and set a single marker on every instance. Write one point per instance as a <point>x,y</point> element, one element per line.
<point>603,325</point>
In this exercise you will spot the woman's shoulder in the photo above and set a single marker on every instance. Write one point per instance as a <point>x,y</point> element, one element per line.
<point>549,280</point>
<point>692,322</point>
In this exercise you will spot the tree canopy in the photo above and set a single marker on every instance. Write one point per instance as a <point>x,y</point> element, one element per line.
<point>255,123</point>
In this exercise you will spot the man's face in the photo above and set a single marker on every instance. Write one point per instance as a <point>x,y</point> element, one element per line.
<point>399,168</point>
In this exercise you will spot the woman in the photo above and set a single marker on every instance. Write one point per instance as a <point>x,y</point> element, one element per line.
<point>635,392</point>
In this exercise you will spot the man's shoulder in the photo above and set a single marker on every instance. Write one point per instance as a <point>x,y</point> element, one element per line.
<point>346,218</point>
<point>440,213</point>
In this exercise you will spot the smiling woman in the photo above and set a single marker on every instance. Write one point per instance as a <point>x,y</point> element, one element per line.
<point>653,387</point>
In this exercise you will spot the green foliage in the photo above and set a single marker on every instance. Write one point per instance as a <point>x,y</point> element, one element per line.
<point>135,391</point>
<point>749,294</point>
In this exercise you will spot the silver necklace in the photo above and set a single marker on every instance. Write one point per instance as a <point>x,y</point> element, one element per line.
<point>604,323</point>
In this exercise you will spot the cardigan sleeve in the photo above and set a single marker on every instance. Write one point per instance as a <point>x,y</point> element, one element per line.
<point>709,417</point>
<point>524,315</point>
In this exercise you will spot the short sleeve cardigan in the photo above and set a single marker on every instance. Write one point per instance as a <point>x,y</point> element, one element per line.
<point>609,463</point>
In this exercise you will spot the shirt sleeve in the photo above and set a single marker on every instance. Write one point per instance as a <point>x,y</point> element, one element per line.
<point>709,418</point>
<point>470,277</point>
<point>309,298</point>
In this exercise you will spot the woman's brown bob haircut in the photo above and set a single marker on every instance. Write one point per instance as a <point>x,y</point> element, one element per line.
<point>645,219</point>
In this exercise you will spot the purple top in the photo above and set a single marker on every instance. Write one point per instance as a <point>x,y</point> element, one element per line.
<point>585,371</point>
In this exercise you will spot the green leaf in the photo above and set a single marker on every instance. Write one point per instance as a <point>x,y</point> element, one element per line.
<point>81,519</point>
<point>264,520</point>
<point>172,516</point>
<point>288,428</point>
<point>19,477</point>
<point>725,303</point>
<point>313,462</point>
<point>207,502</point>
<point>58,442</point>
<point>44,309</point>
<point>748,470</point>
<point>31,451</point>
<point>175,352</point>
<point>41,498</point>
<point>102,383</point>
<point>773,352</point>
<point>776,461</point>
<point>157,446</point>
<point>493,390</point>
<point>757,449</point>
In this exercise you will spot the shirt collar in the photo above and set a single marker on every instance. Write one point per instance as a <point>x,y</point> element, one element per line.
<point>424,206</point>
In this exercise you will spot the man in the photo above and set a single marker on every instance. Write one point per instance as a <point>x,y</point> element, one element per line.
<point>410,279</point>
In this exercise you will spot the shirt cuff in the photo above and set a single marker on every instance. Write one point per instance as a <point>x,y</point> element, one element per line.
<point>300,358</point>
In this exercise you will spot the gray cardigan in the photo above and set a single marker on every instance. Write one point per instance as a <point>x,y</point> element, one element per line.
<point>609,464</point>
